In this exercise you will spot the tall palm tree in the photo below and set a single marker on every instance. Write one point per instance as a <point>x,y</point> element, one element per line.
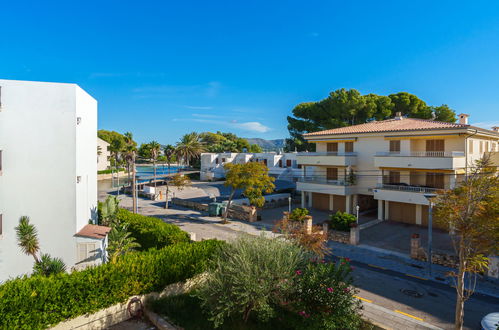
<point>128,150</point>
<point>155,148</point>
<point>190,147</point>
<point>169,152</point>
<point>27,238</point>
<point>115,147</point>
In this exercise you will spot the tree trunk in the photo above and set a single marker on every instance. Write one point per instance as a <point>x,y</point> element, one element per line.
<point>228,205</point>
<point>134,188</point>
<point>166,195</point>
<point>459,318</point>
<point>154,165</point>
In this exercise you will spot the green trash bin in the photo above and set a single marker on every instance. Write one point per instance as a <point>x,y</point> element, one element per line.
<point>214,209</point>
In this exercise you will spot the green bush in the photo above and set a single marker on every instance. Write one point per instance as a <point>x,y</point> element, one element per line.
<point>298,214</point>
<point>109,171</point>
<point>342,221</point>
<point>151,232</point>
<point>250,277</point>
<point>38,302</point>
<point>323,297</point>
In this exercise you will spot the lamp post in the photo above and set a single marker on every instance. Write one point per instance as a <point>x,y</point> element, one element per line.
<point>429,197</point>
<point>289,204</point>
<point>357,208</point>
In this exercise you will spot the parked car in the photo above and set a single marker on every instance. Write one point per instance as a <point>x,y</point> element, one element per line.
<point>490,322</point>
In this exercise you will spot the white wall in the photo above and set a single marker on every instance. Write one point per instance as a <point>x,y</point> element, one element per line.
<point>44,151</point>
<point>103,162</point>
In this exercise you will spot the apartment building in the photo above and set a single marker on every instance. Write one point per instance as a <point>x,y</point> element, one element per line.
<point>103,155</point>
<point>390,165</point>
<point>283,166</point>
<point>48,171</point>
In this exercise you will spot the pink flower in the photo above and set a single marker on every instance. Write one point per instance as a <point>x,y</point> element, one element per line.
<point>298,272</point>
<point>346,289</point>
<point>323,261</point>
<point>330,290</point>
<point>302,313</point>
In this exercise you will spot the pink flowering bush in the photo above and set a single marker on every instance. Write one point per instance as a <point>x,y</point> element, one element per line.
<point>323,297</point>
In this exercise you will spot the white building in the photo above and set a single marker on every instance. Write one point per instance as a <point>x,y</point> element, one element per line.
<point>103,155</point>
<point>390,165</point>
<point>281,166</point>
<point>48,169</point>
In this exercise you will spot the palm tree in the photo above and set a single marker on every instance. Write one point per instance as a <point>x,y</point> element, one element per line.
<point>120,242</point>
<point>27,238</point>
<point>115,148</point>
<point>189,147</point>
<point>169,152</point>
<point>155,148</point>
<point>128,151</point>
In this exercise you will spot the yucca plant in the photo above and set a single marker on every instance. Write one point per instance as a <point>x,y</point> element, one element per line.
<point>49,266</point>
<point>27,238</point>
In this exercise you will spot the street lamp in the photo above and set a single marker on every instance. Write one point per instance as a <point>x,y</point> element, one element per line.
<point>289,203</point>
<point>357,208</point>
<point>429,197</point>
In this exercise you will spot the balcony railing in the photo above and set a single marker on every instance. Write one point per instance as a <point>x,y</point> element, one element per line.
<point>408,188</point>
<point>443,154</point>
<point>322,180</point>
<point>327,154</point>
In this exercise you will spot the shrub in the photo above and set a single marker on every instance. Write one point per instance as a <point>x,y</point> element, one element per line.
<point>323,297</point>
<point>298,214</point>
<point>109,171</point>
<point>38,302</point>
<point>49,266</point>
<point>342,221</point>
<point>151,232</point>
<point>251,275</point>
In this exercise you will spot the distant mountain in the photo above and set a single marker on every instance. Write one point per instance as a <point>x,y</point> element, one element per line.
<point>268,145</point>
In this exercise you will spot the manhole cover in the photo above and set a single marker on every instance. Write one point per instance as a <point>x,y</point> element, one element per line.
<point>411,293</point>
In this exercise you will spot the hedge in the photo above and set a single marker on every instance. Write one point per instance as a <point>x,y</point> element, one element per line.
<point>39,302</point>
<point>152,232</point>
<point>109,171</point>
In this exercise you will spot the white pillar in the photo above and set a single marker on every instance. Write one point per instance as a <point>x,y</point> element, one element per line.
<point>452,181</point>
<point>387,210</point>
<point>380,209</point>
<point>303,199</point>
<point>348,206</point>
<point>309,199</point>
<point>419,213</point>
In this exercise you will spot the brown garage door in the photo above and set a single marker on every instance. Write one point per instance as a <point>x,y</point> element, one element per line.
<point>424,219</point>
<point>339,203</point>
<point>320,201</point>
<point>402,212</point>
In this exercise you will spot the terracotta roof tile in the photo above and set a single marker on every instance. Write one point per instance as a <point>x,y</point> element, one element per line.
<point>94,231</point>
<point>390,125</point>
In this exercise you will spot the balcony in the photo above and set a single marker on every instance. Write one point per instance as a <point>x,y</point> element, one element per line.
<point>404,193</point>
<point>325,186</point>
<point>327,158</point>
<point>421,159</point>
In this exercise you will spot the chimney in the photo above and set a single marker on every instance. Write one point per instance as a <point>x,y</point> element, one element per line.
<point>463,118</point>
<point>495,128</point>
<point>398,116</point>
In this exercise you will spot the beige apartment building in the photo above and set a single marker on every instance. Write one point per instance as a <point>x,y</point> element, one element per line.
<point>389,166</point>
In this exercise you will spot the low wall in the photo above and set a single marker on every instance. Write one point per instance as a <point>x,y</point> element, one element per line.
<point>242,212</point>
<point>110,176</point>
<point>339,236</point>
<point>190,204</point>
<point>442,259</point>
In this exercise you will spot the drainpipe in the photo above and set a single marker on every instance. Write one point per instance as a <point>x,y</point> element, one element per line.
<point>466,153</point>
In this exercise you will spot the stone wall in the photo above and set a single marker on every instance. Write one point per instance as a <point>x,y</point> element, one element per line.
<point>190,204</point>
<point>339,236</point>
<point>443,259</point>
<point>242,212</point>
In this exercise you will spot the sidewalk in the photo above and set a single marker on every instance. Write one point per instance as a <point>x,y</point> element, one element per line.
<point>401,263</point>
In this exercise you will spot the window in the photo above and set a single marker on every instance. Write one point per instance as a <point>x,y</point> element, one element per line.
<point>216,160</point>
<point>395,146</point>
<point>280,162</point>
<point>393,177</point>
<point>332,147</point>
<point>87,252</point>
<point>265,162</point>
<point>332,173</point>
<point>435,180</point>
<point>470,146</point>
<point>288,162</point>
<point>223,160</point>
<point>348,146</point>
<point>435,145</point>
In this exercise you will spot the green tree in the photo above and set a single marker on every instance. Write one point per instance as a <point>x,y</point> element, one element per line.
<point>471,210</point>
<point>170,153</point>
<point>155,149</point>
<point>255,148</point>
<point>27,238</point>
<point>128,153</point>
<point>253,178</point>
<point>120,242</point>
<point>178,181</point>
<point>144,151</point>
<point>190,147</point>
<point>411,105</point>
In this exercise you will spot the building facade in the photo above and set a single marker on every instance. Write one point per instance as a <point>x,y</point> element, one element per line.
<point>103,155</point>
<point>281,166</point>
<point>389,166</point>
<point>48,169</point>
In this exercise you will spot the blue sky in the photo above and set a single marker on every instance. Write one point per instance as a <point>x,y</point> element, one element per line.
<point>164,68</point>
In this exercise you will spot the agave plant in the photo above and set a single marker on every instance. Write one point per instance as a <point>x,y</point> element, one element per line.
<point>49,266</point>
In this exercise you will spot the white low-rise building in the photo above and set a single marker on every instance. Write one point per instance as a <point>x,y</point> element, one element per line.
<point>282,166</point>
<point>103,155</point>
<point>48,171</point>
<point>390,165</point>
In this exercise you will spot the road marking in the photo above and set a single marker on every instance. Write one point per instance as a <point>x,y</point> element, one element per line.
<point>414,317</point>
<point>374,266</point>
<point>421,278</point>
<point>363,299</point>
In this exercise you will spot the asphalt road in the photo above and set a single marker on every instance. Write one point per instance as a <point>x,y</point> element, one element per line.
<point>426,300</point>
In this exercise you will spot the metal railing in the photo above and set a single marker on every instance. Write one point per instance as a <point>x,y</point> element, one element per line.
<point>443,154</point>
<point>322,180</point>
<point>327,154</point>
<point>407,188</point>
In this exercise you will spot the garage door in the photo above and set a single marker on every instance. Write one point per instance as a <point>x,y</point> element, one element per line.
<point>402,212</point>
<point>339,203</point>
<point>320,201</point>
<point>424,219</point>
